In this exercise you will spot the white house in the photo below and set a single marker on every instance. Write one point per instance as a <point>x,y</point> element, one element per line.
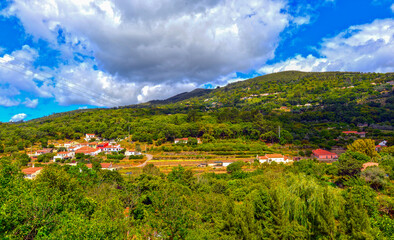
<point>268,158</point>
<point>112,148</point>
<point>89,136</point>
<point>63,155</point>
<point>130,153</point>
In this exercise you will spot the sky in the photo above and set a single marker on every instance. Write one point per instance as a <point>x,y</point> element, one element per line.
<point>62,55</point>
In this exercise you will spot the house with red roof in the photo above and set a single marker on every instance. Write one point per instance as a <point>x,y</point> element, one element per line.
<point>112,148</point>
<point>89,136</point>
<point>88,151</point>
<point>369,164</point>
<point>102,144</point>
<point>32,172</point>
<point>105,166</point>
<point>43,151</point>
<point>323,154</point>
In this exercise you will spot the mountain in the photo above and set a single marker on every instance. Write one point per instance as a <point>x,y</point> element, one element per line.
<point>183,96</point>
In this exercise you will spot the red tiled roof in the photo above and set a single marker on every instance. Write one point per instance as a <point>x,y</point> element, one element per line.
<point>63,153</point>
<point>353,132</point>
<point>322,152</point>
<point>31,170</point>
<point>274,155</point>
<point>369,164</point>
<point>85,150</point>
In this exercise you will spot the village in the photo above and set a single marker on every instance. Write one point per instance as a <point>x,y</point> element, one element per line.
<point>93,146</point>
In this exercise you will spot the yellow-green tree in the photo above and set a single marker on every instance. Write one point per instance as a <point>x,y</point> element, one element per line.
<point>365,146</point>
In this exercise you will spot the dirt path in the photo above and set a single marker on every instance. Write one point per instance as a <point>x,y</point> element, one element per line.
<point>148,158</point>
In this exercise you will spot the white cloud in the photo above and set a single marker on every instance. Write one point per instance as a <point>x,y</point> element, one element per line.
<point>392,7</point>
<point>82,84</point>
<point>18,117</point>
<point>365,48</point>
<point>161,40</point>
<point>30,103</point>
<point>16,75</point>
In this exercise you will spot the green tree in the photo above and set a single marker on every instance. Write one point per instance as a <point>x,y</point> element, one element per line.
<point>375,176</point>
<point>235,167</point>
<point>349,165</point>
<point>151,169</point>
<point>365,146</point>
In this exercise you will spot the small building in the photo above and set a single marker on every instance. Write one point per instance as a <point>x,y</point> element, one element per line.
<point>64,155</point>
<point>44,151</point>
<point>279,158</point>
<point>112,148</point>
<point>323,154</point>
<point>185,140</point>
<point>360,134</point>
<point>202,165</point>
<point>32,172</point>
<point>89,136</point>
<point>216,164</point>
<point>181,140</point>
<point>105,166</point>
<point>369,164</point>
<point>132,153</point>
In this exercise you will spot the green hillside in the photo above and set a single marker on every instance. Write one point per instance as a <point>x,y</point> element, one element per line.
<point>303,104</point>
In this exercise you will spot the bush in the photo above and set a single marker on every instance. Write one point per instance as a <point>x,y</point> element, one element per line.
<point>115,156</point>
<point>235,167</point>
<point>136,157</point>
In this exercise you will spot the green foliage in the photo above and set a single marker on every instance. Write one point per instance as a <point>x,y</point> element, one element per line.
<point>375,176</point>
<point>350,163</point>
<point>364,146</point>
<point>235,167</point>
<point>136,157</point>
<point>115,156</point>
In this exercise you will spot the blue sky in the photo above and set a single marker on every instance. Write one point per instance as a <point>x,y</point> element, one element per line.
<point>63,55</point>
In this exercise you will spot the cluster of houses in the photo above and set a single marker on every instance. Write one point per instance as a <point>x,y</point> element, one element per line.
<point>89,148</point>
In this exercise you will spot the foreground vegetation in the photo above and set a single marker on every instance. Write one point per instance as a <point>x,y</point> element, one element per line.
<point>300,201</point>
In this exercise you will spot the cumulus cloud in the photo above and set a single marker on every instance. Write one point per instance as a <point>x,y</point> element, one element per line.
<point>18,117</point>
<point>365,48</point>
<point>392,7</point>
<point>173,41</point>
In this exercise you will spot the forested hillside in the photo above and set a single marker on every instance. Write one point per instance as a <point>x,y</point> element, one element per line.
<point>305,105</point>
